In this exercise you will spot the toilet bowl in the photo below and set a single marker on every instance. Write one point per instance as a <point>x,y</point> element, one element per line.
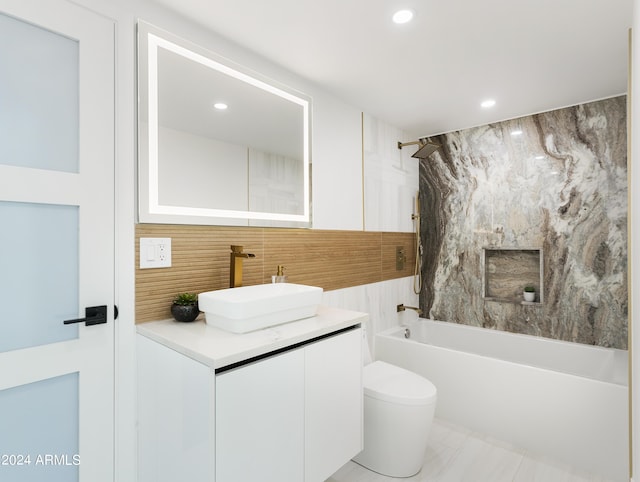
<point>398,410</point>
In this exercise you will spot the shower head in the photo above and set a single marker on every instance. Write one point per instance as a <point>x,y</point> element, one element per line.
<point>425,149</point>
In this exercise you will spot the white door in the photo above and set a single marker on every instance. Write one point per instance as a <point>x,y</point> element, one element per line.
<point>56,242</point>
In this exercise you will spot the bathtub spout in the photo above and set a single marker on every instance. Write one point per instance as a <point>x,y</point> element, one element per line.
<point>401,307</point>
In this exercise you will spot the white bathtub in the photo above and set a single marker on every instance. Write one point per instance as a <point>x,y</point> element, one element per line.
<point>564,400</point>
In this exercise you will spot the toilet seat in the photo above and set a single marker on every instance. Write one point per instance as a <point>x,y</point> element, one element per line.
<point>390,383</point>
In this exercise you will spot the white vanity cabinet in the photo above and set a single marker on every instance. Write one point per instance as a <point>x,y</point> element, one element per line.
<point>175,426</point>
<point>333,404</point>
<point>276,405</point>
<point>260,420</point>
<point>295,416</point>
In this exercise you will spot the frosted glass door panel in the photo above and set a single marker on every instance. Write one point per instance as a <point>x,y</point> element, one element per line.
<point>57,62</point>
<point>36,301</point>
<point>39,430</point>
<point>39,97</point>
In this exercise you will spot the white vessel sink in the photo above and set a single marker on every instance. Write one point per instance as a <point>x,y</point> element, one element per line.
<point>250,308</point>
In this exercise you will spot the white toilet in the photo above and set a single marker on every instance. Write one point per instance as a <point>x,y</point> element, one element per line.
<point>398,411</point>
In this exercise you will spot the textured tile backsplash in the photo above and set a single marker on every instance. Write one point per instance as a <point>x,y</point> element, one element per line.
<point>200,260</point>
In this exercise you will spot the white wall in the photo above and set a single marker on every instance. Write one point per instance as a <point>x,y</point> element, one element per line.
<point>336,165</point>
<point>380,301</point>
<point>391,177</point>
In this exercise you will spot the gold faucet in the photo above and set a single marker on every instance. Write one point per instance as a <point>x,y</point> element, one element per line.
<point>400,308</point>
<point>235,273</point>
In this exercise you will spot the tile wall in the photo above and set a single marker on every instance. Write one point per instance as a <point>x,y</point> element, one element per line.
<point>556,181</point>
<point>330,259</point>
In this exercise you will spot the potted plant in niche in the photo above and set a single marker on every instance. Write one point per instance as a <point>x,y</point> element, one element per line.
<point>185,307</point>
<point>529,293</point>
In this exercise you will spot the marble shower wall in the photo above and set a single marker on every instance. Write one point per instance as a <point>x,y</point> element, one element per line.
<point>560,185</point>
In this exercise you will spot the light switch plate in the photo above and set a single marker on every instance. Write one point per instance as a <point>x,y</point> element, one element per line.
<point>155,253</point>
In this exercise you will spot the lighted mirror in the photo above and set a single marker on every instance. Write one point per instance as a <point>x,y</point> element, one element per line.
<point>218,143</point>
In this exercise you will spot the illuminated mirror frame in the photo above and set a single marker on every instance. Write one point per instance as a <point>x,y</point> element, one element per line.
<point>150,39</point>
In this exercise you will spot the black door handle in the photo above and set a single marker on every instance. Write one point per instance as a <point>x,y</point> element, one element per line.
<point>94,315</point>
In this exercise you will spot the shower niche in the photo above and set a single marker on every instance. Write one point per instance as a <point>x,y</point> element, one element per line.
<point>506,272</point>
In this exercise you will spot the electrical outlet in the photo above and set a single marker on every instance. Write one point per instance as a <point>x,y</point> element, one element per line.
<point>155,253</point>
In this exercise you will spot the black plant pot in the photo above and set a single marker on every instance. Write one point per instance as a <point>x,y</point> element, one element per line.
<point>185,312</point>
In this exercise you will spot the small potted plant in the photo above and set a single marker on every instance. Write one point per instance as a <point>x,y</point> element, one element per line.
<point>185,307</point>
<point>529,293</point>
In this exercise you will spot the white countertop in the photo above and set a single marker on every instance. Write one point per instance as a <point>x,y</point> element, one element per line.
<point>218,348</point>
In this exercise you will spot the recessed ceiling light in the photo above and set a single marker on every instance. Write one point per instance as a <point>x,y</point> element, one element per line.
<point>220,106</point>
<point>487,103</point>
<point>516,132</point>
<point>403,16</point>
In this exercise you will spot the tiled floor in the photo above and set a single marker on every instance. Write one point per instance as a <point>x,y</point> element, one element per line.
<point>455,454</point>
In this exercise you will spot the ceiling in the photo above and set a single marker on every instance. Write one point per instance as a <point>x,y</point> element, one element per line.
<point>429,76</point>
